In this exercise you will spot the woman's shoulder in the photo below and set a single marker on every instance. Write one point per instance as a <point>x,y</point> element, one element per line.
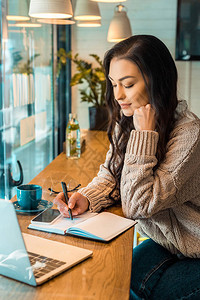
<point>184,139</point>
<point>184,142</point>
<point>186,121</point>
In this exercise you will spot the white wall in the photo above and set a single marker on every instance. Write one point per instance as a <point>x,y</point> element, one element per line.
<point>156,17</point>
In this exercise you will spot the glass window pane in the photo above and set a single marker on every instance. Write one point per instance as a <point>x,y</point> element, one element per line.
<point>27,102</point>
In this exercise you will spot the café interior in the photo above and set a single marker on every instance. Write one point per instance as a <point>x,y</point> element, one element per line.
<point>43,46</point>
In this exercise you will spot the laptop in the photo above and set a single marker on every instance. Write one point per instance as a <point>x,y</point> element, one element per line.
<point>31,259</point>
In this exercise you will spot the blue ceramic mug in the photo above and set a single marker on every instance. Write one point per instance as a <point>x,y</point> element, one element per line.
<point>29,196</point>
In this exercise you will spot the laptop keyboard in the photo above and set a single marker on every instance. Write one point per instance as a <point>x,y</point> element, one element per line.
<point>43,265</point>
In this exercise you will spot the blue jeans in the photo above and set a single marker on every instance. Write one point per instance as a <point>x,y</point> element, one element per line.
<point>159,275</point>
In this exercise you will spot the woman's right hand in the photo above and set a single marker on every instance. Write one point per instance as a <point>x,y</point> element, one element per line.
<point>144,118</point>
<point>77,203</point>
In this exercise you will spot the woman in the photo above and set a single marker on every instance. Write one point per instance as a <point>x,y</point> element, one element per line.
<point>153,167</point>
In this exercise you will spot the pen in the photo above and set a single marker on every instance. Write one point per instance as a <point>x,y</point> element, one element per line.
<point>64,187</point>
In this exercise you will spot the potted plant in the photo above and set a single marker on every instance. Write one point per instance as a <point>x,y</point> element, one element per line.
<point>21,67</point>
<point>23,79</point>
<point>94,92</point>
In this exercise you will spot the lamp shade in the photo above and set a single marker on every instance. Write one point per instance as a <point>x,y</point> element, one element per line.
<point>28,25</point>
<point>120,27</point>
<point>93,23</point>
<point>86,10</point>
<point>17,11</point>
<point>56,21</point>
<point>50,9</point>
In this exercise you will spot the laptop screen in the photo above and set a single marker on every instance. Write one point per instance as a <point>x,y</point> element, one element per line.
<point>14,261</point>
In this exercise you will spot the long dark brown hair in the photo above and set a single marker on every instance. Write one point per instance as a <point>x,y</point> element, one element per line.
<point>156,64</point>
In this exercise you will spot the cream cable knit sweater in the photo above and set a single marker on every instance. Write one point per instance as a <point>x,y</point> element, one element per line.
<point>166,202</point>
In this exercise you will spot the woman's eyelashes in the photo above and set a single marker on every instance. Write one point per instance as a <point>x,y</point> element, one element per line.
<point>125,86</point>
<point>128,86</point>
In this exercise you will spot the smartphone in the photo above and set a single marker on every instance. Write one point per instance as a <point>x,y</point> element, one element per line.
<point>48,216</point>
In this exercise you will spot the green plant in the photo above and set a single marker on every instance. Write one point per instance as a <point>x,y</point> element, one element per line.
<point>94,93</point>
<point>21,67</point>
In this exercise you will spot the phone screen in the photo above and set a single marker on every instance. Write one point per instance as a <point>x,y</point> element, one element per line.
<point>47,216</point>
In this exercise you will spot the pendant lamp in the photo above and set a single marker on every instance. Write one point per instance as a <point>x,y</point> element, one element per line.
<point>86,10</point>
<point>28,25</point>
<point>93,23</point>
<point>56,21</point>
<point>120,27</point>
<point>17,11</point>
<point>31,23</point>
<point>50,9</point>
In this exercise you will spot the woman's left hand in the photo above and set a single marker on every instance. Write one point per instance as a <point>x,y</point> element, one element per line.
<point>144,118</point>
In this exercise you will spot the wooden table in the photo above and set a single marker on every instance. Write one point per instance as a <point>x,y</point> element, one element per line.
<point>107,274</point>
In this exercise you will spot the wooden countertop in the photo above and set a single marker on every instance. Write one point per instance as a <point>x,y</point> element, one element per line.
<point>104,276</point>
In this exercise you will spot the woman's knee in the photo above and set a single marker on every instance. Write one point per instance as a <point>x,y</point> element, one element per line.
<point>149,253</point>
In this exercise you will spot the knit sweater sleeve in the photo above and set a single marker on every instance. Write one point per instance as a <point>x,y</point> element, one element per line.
<point>145,192</point>
<point>99,189</point>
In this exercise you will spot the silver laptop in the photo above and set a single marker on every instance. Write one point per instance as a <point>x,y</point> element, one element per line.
<point>29,258</point>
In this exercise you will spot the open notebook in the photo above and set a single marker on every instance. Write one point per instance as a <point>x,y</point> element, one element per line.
<point>103,226</point>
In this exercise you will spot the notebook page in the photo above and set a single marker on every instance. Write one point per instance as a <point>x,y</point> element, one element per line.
<point>105,226</point>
